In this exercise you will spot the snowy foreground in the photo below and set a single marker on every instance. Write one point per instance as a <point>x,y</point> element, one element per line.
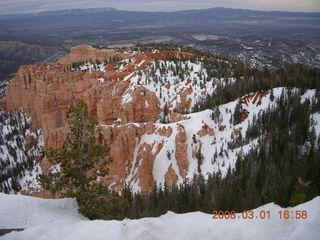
<point>59,219</point>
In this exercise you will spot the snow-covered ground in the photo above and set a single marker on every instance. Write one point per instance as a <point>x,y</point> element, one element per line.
<point>59,219</point>
<point>215,149</point>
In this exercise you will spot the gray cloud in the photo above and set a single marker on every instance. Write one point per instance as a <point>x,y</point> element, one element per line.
<point>24,6</point>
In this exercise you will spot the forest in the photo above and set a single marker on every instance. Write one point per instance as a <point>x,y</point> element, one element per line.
<point>284,168</point>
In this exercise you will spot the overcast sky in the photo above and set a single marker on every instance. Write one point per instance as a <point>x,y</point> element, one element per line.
<point>25,6</point>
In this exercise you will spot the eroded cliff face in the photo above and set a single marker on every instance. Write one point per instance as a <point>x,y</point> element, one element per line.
<point>46,91</point>
<point>132,97</point>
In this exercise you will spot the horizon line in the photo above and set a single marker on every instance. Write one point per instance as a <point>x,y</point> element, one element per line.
<point>155,11</point>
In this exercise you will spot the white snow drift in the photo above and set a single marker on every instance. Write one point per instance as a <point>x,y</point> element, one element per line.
<point>59,219</point>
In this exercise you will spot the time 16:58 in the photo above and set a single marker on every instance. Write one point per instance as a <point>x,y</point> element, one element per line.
<point>295,214</point>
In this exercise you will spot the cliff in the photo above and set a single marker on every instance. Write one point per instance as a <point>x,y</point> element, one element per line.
<point>139,99</point>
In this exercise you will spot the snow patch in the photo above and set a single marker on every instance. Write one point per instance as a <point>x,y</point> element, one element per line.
<point>58,219</point>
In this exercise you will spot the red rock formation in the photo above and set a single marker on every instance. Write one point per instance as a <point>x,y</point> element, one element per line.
<point>182,150</point>
<point>46,91</point>
<point>205,130</point>
<point>236,132</point>
<point>222,128</point>
<point>144,107</point>
<point>87,53</point>
<point>146,159</point>
<point>243,116</point>
<point>185,100</point>
<point>177,117</point>
<point>255,98</point>
<point>171,176</point>
<point>164,131</point>
<point>42,194</point>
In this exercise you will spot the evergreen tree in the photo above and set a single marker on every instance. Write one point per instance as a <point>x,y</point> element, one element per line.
<point>237,112</point>
<point>82,162</point>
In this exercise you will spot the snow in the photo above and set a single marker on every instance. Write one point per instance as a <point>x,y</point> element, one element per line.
<point>101,80</point>
<point>309,94</point>
<point>90,67</point>
<point>14,151</point>
<point>18,211</point>
<point>167,84</point>
<point>58,219</point>
<point>217,151</point>
<point>316,123</point>
<point>127,97</point>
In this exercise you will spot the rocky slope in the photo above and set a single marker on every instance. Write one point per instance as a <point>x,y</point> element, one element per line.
<point>141,100</point>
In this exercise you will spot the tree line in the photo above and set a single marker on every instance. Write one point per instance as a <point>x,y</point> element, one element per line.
<point>284,167</point>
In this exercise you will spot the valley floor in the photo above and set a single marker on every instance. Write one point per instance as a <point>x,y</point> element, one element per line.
<point>59,219</point>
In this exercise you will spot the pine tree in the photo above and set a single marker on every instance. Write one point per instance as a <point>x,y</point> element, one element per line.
<point>82,162</point>
<point>237,112</point>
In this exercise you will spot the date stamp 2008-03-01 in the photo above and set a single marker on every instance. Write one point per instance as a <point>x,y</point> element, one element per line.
<point>261,214</point>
